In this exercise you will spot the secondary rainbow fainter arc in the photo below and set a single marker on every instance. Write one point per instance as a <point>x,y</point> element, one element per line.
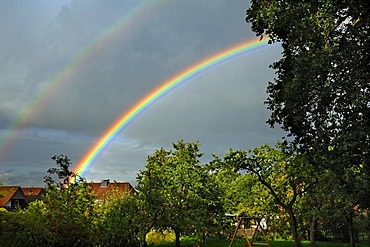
<point>142,10</point>
<point>127,117</point>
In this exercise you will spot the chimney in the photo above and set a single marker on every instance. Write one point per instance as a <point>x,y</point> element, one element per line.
<point>104,183</point>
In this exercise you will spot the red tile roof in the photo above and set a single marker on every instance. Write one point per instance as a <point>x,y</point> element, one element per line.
<point>9,192</point>
<point>101,191</point>
<point>33,193</point>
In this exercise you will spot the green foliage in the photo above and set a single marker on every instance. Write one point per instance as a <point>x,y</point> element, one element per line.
<point>118,220</point>
<point>69,214</point>
<point>2,193</point>
<point>68,207</point>
<point>158,237</point>
<point>18,228</point>
<point>178,193</point>
<point>224,176</point>
<point>65,177</point>
<point>63,218</point>
<point>274,180</point>
<point>321,94</point>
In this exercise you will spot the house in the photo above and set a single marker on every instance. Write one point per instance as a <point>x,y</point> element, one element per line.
<point>102,189</point>
<point>13,197</point>
<point>33,193</point>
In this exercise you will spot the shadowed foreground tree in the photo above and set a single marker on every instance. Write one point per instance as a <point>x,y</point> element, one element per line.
<point>321,95</point>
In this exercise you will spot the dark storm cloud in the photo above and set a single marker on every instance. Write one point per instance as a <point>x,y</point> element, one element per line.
<point>221,108</point>
<point>118,75</point>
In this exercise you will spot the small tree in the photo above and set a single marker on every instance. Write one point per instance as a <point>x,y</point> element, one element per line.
<point>68,206</point>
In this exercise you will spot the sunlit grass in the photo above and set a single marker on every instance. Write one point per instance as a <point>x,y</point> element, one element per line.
<point>215,242</point>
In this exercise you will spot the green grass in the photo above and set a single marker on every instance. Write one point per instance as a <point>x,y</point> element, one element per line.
<point>213,242</point>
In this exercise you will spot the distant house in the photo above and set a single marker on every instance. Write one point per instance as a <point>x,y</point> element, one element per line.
<point>33,193</point>
<point>14,197</point>
<point>102,189</point>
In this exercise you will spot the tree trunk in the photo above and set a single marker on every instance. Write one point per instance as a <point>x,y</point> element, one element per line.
<point>143,242</point>
<point>177,234</point>
<point>204,239</point>
<point>313,231</point>
<point>351,232</point>
<point>293,222</point>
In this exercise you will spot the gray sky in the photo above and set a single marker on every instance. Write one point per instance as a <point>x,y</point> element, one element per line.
<point>222,107</point>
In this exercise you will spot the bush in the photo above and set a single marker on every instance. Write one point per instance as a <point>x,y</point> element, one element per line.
<point>156,237</point>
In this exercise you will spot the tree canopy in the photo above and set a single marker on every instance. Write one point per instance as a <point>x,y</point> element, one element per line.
<point>68,206</point>
<point>178,191</point>
<point>321,94</point>
<point>284,173</point>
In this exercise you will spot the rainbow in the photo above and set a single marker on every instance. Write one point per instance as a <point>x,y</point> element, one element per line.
<point>127,117</point>
<point>141,11</point>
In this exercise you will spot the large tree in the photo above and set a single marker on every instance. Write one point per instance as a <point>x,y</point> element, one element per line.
<point>321,94</point>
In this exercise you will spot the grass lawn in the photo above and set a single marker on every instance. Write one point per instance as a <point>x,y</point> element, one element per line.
<point>193,242</point>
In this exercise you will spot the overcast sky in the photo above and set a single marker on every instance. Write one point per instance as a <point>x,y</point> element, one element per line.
<point>221,108</point>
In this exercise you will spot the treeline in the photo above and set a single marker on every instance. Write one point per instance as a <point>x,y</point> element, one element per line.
<point>175,191</point>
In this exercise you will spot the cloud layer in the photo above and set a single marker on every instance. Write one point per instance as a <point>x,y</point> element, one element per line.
<point>222,108</point>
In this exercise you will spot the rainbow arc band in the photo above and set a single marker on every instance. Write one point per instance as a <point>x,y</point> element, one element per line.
<point>167,86</point>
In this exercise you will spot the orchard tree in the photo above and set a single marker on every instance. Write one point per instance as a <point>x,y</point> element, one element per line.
<point>177,190</point>
<point>242,192</point>
<point>23,228</point>
<point>150,191</point>
<point>283,172</point>
<point>62,218</point>
<point>68,206</point>
<point>225,175</point>
<point>321,95</point>
<point>118,220</point>
<point>245,195</point>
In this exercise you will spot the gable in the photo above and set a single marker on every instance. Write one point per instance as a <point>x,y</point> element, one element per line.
<point>11,193</point>
<point>33,193</point>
